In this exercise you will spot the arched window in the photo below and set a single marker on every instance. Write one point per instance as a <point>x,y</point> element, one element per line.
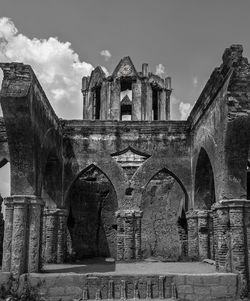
<point>97,103</point>
<point>126,98</point>
<point>155,104</point>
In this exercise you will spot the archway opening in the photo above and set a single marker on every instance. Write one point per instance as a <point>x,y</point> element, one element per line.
<point>52,182</point>
<point>204,194</point>
<point>164,226</point>
<point>92,226</point>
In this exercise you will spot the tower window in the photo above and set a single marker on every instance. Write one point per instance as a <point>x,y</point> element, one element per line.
<point>155,106</point>
<point>97,103</point>
<point>126,108</point>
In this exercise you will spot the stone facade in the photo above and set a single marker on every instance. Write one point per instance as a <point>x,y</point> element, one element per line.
<point>127,181</point>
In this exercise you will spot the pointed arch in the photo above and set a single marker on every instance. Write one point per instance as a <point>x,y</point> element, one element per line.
<point>204,189</point>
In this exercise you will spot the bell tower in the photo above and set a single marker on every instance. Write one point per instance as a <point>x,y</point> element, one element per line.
<point>126,95</point>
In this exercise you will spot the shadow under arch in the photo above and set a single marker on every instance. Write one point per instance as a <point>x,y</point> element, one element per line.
<point>92,203</point>
<point>204,188</point>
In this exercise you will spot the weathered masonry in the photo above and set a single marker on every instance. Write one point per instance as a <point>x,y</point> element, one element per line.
<point>127,181</point>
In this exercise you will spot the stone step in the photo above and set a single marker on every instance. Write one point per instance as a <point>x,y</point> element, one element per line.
<point>138,289</point>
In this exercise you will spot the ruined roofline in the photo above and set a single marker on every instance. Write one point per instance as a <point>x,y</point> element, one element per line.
<point>218,78</point>
<point>14,72</point>
<point>89,82</point>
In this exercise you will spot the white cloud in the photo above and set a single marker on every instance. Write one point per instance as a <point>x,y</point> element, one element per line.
<point>185,109</point>
<point>160,69</point>
<point>195,81</point>
<point>106,54</point>
<point>55,63</point>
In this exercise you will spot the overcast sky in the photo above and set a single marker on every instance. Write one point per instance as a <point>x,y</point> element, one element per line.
<point>63,40</point>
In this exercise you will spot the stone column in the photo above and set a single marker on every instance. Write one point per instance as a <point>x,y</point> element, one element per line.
<point>168,93</point>
<point>103,101</point>
<point>193,247</point>
<point>239,250</point>
<point>203,234</point>
<point>138,216</point>
<point>51,236</point>
<point>221,228</point>
<point>62,234</point>
<point>8,227</point>
<point>148,102</point>
<point>115,100</point>
<point>120,237</point>
<point>108,99</point>
<point>136,100</point>
<point>162,105</point>
<point>35,217</point>
<point>128,234</point>
<point>19,235</point>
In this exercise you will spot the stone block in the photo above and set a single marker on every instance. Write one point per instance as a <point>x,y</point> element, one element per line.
<point>57,291</point>
<point>219,291</point>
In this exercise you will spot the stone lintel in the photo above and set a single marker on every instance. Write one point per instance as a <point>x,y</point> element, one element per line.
<point>23,199</point>
<point>203,213</point>
<point>128,213</point>
<point>192,214</point>
<point>231,203</point>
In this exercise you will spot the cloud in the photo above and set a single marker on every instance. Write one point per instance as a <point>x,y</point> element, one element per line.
<point>195,81</point>
<point>55,63</point>
<point>106,54</point>
<point>185,109</point>
<point>160,69</point>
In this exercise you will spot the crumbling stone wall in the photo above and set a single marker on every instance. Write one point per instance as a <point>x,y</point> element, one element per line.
<point>162,200</point>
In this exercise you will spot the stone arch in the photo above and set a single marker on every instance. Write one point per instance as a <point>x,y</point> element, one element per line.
<point>108,166</point>
<point>92,203</point>
<point>164,226</point>
<point>178,169</point>
<point>204,189</point>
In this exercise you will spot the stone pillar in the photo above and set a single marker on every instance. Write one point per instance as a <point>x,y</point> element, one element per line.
<point>115,100</point>
<point>203,234</point>
<point>128,234</point>
<point>103,101</point>
<point>168,93</point>
<point>162,105</point>
<point>51,236</point>
<point>239,250</point>
<point>193,247</point>
<point>19,235</point>
<point>136,100</point>
<point>221,228</point>
<point>62,235</point>
<point>138,216</point>
<point>108,99</point>
<point>7,242</point>
<point>35,217</point>
<point>148,102</point>
<point>120,237</point>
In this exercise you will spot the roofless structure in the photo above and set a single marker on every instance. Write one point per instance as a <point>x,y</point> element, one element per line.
<point>126,181</point>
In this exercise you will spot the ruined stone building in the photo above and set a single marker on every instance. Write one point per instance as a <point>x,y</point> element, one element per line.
<point>126,181</point>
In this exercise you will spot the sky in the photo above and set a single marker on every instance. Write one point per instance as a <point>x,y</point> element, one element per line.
<point>64,40</point>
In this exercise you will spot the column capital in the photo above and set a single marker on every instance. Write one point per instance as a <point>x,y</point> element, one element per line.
<point>231,203</point>
<point>128,213</point>
<point>203,213</point>
<point>23,199</point>
<point>62,212</point>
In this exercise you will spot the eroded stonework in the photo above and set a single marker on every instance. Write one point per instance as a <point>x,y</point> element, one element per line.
<point>127,181</point>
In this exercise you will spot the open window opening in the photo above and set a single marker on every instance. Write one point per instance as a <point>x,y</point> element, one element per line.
<point>155,104</point>
<point>97,103</point>
<point>126,99</point>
